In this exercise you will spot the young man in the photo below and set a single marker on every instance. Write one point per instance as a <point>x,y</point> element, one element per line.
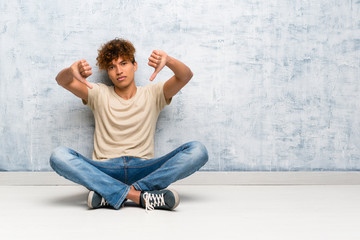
<point>123,165</point>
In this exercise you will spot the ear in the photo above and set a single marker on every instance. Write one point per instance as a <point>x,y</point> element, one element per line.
<point>135,66</point>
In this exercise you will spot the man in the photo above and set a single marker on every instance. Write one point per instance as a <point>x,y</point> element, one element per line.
<point>123,165</point>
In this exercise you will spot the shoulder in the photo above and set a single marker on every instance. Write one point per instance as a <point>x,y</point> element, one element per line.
<point>100,87</point>
<point>156,90</point>
<point>155,87</point>
<point>98,91</point>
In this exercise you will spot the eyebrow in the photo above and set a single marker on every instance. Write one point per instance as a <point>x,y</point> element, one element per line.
<point>120,62</point>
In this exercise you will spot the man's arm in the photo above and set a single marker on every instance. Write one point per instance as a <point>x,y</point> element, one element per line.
<point>74,77</point>
<point>182,73</point>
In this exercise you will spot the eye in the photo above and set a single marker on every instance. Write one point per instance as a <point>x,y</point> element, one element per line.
<point>111,67</point>
<point>123,63</point>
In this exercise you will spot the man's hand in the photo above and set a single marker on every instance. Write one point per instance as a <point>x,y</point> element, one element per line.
<point>81,70</point>
<point>158,61</point>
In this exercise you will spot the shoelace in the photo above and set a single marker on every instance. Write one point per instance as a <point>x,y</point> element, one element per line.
<point>153,200</point>
<point>104,203</point>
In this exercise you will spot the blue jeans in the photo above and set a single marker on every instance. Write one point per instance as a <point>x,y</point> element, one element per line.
<point>112,178</point>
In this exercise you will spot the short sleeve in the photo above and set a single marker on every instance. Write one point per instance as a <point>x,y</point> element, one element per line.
<point>92,95</point>
<point>158,92</point>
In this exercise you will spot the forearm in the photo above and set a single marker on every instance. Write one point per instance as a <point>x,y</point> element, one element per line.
<point>181,71</point>
<point>64,77</point>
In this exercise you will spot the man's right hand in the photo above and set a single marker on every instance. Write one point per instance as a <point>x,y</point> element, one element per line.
<point>81,70</point>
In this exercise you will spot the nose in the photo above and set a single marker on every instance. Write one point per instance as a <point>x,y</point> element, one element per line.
<point>118,70</point>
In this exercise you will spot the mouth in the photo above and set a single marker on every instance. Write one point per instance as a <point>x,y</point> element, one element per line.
<point>121,78</point>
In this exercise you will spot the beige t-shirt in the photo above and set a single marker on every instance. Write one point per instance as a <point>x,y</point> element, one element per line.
<point>125,127</point>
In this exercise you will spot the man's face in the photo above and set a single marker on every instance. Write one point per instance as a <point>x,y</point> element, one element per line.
<point>121,72</point>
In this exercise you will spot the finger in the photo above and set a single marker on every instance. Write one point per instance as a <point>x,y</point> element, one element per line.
<point>154,60</point>
<point>76,73</point>
<point>86,74</point>
<point>85,69</point>
<point>88,84</point>
<point>153,76</point>
<point>157,52</point>
<point>151,64</point>
<point>83,63</point>
<point>83,80</point>
<point>155,55</point>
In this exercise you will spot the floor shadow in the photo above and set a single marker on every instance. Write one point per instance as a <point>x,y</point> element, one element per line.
<point>187,197</point>
<point>78,199</point>
<point>130,204</point>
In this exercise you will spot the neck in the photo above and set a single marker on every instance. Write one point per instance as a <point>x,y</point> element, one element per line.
<point>127,92</point>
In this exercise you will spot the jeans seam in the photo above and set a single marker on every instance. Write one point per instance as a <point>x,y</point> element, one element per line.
<point>152,172</point>
<point>102,166</point>
<point>143,166</point>
<point>160,159</point>
<point>118,203</point>
<point>164,157</point>
<point>137,186</point>
<point>125,171</point>
<point>93,162</point>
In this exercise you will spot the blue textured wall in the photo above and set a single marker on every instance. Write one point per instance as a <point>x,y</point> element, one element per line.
<point>276,83</point>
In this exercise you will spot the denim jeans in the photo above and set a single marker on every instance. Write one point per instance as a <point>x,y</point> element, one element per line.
<point>112,178</point>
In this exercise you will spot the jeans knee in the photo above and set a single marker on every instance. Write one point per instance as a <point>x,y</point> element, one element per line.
<point>200,151</point>
<point>58,156</point>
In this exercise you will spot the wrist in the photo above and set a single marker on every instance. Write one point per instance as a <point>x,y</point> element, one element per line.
<point>169,61</point>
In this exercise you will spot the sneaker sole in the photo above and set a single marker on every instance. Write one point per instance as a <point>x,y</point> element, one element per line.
<point>177,198</point>
<point>90,197</point>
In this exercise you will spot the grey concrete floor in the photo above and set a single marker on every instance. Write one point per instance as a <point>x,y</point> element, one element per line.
<point>205,212</point>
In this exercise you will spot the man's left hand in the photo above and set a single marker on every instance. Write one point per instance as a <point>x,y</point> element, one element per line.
<point>158,61</point>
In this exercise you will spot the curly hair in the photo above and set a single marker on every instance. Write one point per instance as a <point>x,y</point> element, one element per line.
<point>114,49</point>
